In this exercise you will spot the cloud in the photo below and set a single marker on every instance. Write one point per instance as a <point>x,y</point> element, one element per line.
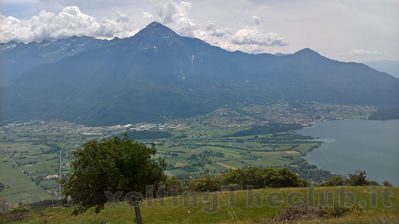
<point>174,14</point>
<point>213,30</point>
<point>296,21</point>
<point>256,20</point>
<point>147,15</point>
<point>70,21</point>
<point>361,52</point>
<point>248,36</point>
<point>19,1</point>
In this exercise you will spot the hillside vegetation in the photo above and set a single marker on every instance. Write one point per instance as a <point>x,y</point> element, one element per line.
<point>220,211</point>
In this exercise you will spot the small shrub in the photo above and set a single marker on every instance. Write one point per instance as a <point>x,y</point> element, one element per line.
<point>15,214</point>
<point>338,210</point>
<point>334,181</point>
<point>172,186</point>
<point>387,184</point>
<point>383,221</point>
<point>359,178</point>
<point>206,183</point>
<point>299,212</point>
<point>303,210</point>
<point>2,186</point>
<point>261,178</point>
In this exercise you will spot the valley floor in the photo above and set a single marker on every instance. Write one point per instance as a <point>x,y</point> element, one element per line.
<point>238,136</point>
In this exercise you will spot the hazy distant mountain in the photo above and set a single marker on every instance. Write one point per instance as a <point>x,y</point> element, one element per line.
<point>157,73</point>
<point>390,67</point>
<point>17,58</point>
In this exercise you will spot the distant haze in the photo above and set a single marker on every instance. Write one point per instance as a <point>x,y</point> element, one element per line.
<point>390,67</point>
<point>356,30</point>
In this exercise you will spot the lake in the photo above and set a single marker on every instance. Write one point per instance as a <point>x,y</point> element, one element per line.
<point>351,145</point>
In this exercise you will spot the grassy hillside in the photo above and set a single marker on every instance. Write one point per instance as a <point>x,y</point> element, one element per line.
<point>18,186</point>
<point>210,210</point>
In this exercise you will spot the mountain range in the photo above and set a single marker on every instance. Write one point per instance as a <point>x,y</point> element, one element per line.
<point>158,74</point>
<point>390,67</point>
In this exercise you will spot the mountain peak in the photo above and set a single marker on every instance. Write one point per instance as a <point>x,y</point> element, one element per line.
<point>156,29</point>
<point>156,25</point>
<point>307,51</point>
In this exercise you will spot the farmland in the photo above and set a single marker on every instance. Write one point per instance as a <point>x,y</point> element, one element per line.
<point>228,138</point>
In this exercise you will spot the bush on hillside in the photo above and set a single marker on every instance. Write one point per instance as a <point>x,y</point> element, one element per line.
<point>300,211</point>
<point>387,184</point>
<point>206,183</point>
<point>303,210</point>
<point>338,210</point>
<point>335,181</point>
<point>172,186</point>
<point>261,178</point>
<point>15,214</point>
<point>359,178</point>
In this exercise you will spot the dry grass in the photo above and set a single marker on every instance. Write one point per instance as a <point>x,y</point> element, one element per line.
<point>241,213</point>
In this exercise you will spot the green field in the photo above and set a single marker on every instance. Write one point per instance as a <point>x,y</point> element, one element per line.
<point>202,150</point>
<point>235,136</point>
<point>190,152</point>
<point>19,187</point>
<point>219,208</point>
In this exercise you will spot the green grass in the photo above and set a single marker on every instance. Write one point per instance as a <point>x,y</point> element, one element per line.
<point>37,153</point>
<point>221,211</point>
<point>20,187</point>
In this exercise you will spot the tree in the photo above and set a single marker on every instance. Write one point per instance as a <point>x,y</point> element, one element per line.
<point>358,179</point>
<point>335,181</point>
<point>172,186</point>
<point>266,177</point>
<point>113,165</point>
<point>387,183</point>
<point>2,187</point>
<point>206,183</point>
<point>37,180</point>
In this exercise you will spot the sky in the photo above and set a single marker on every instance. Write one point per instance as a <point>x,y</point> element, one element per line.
<point>345,30</point>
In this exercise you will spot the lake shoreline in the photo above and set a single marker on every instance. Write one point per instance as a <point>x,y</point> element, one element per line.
<point>357,144</point>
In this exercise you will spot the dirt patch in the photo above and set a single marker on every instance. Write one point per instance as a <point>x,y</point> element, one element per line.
<point>292,152</point>
<point>179,165</point>
<point>226,165</point>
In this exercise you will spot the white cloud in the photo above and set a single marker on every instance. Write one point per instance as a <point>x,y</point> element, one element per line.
<point>362,52</point>
<point>320,25</point>
<point>256,20</point>
<point>248,36</point>
<point>147,15</point>
<point>19,1</point>
<point>70,21</point>
<point>175,14</point>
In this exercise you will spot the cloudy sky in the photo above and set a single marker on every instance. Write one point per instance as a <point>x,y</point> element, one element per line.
<point>347,30</point>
